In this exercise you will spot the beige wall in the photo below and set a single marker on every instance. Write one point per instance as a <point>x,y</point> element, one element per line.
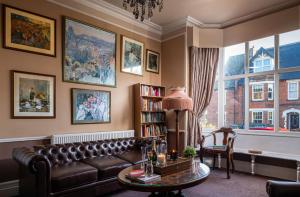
<point>174,70</point>
<point>283,21</point>
<point>122,96</point>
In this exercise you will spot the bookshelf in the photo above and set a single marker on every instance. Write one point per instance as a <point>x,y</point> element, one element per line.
<point>149,118</point>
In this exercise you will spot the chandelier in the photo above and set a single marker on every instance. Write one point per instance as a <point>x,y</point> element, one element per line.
<point>140,7</point>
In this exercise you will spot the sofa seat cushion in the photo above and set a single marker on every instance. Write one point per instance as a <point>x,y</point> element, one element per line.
<point>108,166</point>
<point>132,156</point>
<point>72,175</point>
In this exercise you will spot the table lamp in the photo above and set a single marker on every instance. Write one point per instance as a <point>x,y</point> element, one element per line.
<point>178,101</point>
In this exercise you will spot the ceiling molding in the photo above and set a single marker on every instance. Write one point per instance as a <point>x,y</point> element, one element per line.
<point>120,13</point>
<point>104,20</point>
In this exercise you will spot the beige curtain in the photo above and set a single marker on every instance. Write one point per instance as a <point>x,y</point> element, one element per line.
<point>203,68</point>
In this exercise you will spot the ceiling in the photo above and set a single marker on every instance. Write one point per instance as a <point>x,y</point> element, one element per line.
<point>212,11</point>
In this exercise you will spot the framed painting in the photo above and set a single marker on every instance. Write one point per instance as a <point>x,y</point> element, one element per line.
<point>29,32</point>
<point>153,61</point>
<point>132,56</point>
<point>33,95</point>
<point>89,54</point>
<point>90,106</point>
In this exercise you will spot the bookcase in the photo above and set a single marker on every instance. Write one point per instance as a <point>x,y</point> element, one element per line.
<point>149,118</point>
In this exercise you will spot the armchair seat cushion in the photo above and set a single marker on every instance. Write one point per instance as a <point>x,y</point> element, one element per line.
<point>72,175</point>
<point>108,166</point>
<point>215,149</point>
<point>133,156</point>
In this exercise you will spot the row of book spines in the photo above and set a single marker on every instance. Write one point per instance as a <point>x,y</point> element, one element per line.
<point>151,91</point>
<point>152,117</point>
<point>153,130</point>
<point>150,105</point>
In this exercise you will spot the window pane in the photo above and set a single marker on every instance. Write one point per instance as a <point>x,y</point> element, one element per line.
<point>234,60</point>
<point>210,117</point>
<point>289,103</point>
<point>260,105</point>
<point>234,105</point>
<point>261,55</point>
<point>289,49</point>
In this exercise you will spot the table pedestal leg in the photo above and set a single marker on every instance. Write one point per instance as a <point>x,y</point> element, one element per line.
<point>298,171</point>
<point>252,164</point>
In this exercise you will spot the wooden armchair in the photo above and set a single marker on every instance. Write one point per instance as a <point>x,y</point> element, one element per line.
<point>225,150</point>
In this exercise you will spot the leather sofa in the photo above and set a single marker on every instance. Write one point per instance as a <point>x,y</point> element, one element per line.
<point>283,189</point>
<point>76,169</point>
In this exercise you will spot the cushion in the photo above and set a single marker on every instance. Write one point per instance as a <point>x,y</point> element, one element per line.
<point>215,149</point>
<point>108,166</point>
<point>134,156</point>
<point>72,175</point>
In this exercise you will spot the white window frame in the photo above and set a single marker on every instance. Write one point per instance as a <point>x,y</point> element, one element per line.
<point>271,85</point>
<point>290,98</point>
<point>272,117</point>
<point>246,76</point>
<point>262,67</point>
<point>262,91</point>
<point>262,116</point>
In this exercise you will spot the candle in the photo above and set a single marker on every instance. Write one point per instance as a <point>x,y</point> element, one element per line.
<point>174,155</point>
<point>161,159</point>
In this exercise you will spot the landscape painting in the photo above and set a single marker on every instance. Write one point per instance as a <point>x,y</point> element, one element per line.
<point>132,56</point>
<point>89,54</point>
<point>152,61</point>
<point>29,32</point>
<point>90,106</point>
<point>33,95</point>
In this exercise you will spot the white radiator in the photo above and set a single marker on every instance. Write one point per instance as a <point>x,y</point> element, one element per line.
<point>83,137</point>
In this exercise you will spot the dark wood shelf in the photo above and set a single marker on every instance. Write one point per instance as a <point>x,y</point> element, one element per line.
<point>149,129</point>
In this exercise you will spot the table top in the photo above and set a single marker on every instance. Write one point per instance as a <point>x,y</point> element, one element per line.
<point>176,181</point>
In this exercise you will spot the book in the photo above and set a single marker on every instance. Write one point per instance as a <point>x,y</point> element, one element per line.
<point>143,178</point>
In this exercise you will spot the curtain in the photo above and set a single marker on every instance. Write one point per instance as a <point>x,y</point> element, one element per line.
<point>203,68</point>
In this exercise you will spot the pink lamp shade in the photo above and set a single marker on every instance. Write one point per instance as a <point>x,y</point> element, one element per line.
<point>177,100</point>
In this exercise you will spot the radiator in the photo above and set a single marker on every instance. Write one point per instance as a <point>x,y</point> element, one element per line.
<point>83,137</point>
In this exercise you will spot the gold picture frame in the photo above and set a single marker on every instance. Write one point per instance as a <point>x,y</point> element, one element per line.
<point>153,61</point>
<point>28,32</point>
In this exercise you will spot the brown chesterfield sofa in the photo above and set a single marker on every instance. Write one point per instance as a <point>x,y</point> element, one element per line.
<point>77,169</point>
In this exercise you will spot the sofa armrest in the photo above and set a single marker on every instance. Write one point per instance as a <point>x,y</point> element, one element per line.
<point>283,188</point>
<point>34,172</point>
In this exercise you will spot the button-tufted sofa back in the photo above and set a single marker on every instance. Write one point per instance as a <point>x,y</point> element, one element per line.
<point>60,154</point>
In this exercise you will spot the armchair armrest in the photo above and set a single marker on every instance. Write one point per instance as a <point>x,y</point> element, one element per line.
<point>34,172</point>
<point>283,188</point>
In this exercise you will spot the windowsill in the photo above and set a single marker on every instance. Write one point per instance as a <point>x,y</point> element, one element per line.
<point>292,99</point>
<point>264,133</point>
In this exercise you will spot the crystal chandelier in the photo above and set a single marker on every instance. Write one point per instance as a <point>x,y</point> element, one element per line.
<point>140,7</point>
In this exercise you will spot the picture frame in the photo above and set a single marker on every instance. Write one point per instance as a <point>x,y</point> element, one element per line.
<point>152,61</point>
<point>89,54</point>
<point>28,32</point>
<point>90,106</point>
<point>132,56</point>
<point>32,95</point>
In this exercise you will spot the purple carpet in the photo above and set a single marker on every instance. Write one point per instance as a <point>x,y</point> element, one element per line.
<point>240,185</point>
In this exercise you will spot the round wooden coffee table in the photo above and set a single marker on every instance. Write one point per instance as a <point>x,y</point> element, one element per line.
<point>169,183</point>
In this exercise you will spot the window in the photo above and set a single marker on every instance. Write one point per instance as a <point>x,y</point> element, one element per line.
<point>292,90</point>
<point>249,83</point>
<point>234,60</point>
<point>257,117</point>
<point>270,117</point>
<point>209,120</point>
<point>270,91</point>
<point>257,92</point>
<point>234,115</point>
<point>262,63</point>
